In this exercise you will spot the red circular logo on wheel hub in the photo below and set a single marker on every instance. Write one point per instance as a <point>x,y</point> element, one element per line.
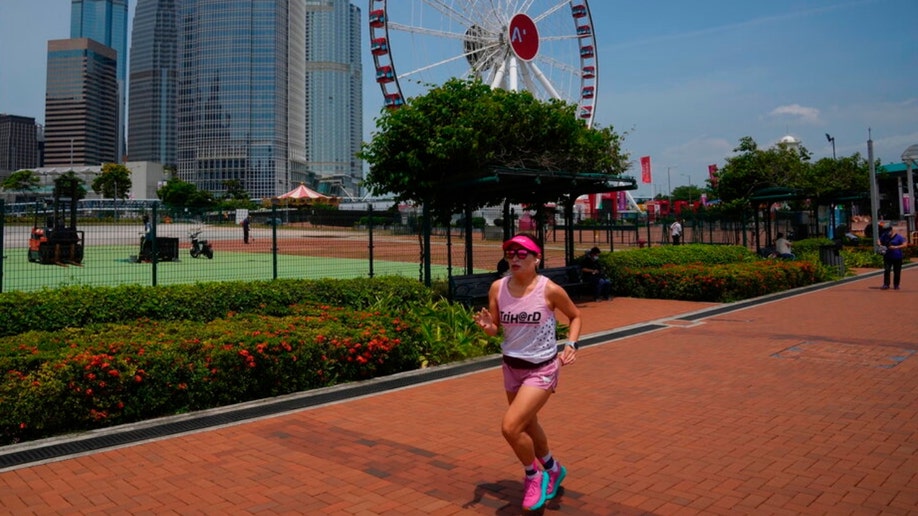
<point>524,37</point>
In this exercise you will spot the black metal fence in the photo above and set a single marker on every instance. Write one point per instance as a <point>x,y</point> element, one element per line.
<point>109,244</point>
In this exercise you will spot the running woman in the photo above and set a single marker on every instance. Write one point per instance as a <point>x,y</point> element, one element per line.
<point>524,303</point>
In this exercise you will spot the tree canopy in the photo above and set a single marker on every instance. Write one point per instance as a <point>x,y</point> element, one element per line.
<point>181,194</point>
<point>21,181</point>
<point>754,169</point>
<point>70,186</point>
<point>113,182</point>
<point>437,147</point>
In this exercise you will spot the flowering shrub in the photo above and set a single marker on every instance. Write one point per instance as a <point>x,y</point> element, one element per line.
<point>705,273</point>
<point>111,374</point>
<point>716,283</point>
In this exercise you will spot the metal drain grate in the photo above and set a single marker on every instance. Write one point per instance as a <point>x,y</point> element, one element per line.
<point>883,357</point>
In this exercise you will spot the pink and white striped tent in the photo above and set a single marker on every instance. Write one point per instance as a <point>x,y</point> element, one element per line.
<point>303,195</point>
<point>303,192</point>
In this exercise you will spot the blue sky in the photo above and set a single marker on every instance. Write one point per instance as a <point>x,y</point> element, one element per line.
<point>685,80</point>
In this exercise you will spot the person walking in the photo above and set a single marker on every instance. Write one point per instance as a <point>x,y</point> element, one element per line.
<point>245,230</point>
<point>891,244</point>
<point>523,305</point>
<point>675,231</point>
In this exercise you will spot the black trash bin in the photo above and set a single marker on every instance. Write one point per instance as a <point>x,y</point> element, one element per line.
<point>830,255</point>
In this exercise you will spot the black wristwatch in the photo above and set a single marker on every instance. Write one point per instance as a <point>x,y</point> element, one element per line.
<point>573,343</point>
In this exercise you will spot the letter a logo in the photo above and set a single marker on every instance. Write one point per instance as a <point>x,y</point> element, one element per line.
<point>524,37</point>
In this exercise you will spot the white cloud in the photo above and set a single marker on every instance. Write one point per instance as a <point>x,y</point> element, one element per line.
<point>805,114</point>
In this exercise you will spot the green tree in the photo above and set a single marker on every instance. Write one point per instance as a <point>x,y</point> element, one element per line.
<point>235,197</point>
<point>114,182</point>
<point>21,181</point>
<point>690,193</point>
<point>461,131</point>
<point>753,169</point>
<point>69,185</point>
<point>836,176</point>
<point>181,194</point>
<point>235,191</point>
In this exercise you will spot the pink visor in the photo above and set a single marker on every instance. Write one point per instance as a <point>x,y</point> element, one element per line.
<point>523,242</point>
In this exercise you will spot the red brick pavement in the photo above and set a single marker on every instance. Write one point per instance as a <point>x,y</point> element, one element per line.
<point>804,405</point>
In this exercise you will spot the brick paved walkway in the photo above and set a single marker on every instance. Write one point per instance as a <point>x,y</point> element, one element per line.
<point>803,405</point>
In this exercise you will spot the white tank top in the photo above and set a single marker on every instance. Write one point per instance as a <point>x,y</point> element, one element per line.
<point>529,325</point>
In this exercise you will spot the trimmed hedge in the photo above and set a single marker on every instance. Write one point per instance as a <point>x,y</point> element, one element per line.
<point>704,272</point>
<point>79,306</point>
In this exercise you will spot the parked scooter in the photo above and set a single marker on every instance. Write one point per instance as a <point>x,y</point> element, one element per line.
<point>200,246</point>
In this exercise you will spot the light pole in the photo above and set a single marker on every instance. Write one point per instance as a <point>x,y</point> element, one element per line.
<point>831,139</point>
<point>910,157</point>
<point>669,183</point>
<point>689,177</point>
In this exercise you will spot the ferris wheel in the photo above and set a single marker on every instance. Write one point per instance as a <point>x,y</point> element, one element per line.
<point>546,47</point>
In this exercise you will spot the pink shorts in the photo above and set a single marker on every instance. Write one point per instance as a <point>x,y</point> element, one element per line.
<point>545,377</point>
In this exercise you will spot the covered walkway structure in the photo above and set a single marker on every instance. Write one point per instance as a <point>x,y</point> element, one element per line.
<point>534,188</point>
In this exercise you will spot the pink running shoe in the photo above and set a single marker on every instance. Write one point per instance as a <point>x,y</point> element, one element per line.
<point>534,491</point>
<point>555,477</point>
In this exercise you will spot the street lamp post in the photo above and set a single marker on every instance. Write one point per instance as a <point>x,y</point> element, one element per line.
<point>689,177</point>
<point>831,139</point>
<point>669,183</point>
<point>910,157</point>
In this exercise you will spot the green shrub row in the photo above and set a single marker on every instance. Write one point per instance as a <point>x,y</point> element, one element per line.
<point>113,373</point>
<point>721,283</point>
<point>79,306</point>
<point>712,273</point>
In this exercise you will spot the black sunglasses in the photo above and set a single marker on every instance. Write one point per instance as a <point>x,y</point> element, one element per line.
<point>519,253</point>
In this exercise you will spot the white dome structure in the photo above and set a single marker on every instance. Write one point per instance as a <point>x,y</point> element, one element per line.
<point>790,142</point>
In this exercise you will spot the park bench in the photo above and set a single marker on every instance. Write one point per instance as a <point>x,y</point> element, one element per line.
<point>472,289</point>
<point>570,279</point>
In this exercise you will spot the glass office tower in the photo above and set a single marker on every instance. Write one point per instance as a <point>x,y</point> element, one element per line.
<point>106,21</point>
<point>334,96</point>
<point>241,103</point>
<point>153,82</point>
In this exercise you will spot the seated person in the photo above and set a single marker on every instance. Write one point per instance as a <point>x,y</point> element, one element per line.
<point>592,274</point>
<point>783,247</point>
<point>503,267</point>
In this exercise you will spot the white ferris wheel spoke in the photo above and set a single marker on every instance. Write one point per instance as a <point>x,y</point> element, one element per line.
<point>425,42</point>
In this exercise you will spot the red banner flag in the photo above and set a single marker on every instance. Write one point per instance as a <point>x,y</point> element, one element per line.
<point>645,170</point>
<point>712,174</point>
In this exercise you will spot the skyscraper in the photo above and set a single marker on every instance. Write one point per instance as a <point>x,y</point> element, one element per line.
<point>106,21</point>
<point>241,104</point>
<point>81,103</point>
<point>334,112</point>
<point>153,82</point>
<point>18,143</point>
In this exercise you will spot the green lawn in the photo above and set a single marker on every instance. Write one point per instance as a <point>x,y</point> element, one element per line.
<point>112,265</point>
